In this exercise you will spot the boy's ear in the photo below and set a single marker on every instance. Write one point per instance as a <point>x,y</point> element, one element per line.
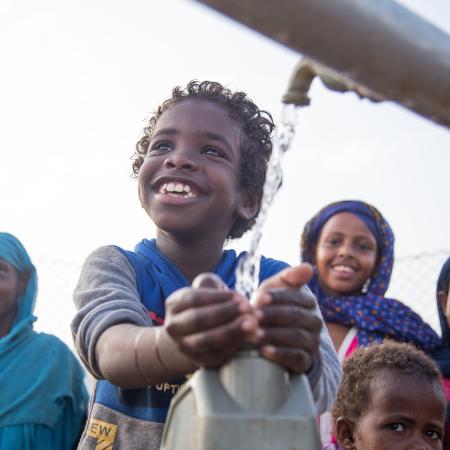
<point>248,207</point>
<point>345,429</point>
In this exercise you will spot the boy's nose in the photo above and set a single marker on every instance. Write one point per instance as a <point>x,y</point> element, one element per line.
<point>419,444</point>
<point>180,161</point>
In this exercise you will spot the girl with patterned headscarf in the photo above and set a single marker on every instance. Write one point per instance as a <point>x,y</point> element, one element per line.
<point>43,399</point>
<point>351,247</point>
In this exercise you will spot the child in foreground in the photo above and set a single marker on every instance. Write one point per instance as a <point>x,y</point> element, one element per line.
<point>148,318</point>
<point>391,398</point>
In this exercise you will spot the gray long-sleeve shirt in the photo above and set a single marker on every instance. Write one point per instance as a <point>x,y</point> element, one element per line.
<point>107,295</point>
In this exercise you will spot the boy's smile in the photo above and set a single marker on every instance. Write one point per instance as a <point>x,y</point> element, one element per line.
<point>345,255</point>
<point>178,189</point>
<point>189,181</point>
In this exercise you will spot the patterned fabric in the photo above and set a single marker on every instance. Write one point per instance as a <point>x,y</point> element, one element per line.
<point>375,316</point>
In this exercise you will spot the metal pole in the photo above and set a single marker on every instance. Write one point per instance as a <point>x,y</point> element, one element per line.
<point>378,44</point>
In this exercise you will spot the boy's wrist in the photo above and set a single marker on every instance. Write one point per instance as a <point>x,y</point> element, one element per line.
<point>158,358</point>
<point>170,356</point>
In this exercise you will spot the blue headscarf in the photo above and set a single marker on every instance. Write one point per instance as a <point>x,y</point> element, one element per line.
<point>38,373</point>
<point>375,316</point>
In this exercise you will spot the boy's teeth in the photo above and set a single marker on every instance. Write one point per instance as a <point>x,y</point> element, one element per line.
<point>179,188</point>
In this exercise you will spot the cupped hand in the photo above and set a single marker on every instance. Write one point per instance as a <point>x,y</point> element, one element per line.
<point>208,322</point>
<point>289,326</point>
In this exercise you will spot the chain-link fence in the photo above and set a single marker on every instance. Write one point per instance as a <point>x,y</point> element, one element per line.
<point>413,282</point>
<point>54,307</point>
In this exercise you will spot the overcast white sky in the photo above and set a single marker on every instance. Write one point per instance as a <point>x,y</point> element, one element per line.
<point>78,78</point>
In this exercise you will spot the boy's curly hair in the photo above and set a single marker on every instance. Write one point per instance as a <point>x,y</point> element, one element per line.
<point>368,363</point>
<point>256,144</point>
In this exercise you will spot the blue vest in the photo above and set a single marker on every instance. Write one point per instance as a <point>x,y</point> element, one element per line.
<point>156,279</point>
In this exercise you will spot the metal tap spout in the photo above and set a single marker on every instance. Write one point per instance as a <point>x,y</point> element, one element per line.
<point>308,69</point>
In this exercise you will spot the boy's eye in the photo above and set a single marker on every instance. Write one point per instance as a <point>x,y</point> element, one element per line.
<point>332,241</point>
<point>212,151</point>
<point>160,147</point>
<point>398,427</point>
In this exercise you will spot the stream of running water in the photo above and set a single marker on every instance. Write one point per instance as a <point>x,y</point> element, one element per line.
<point>247,272</point>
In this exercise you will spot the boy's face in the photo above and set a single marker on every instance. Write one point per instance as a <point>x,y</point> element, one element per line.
<point>346,254</point>
<point>189,181</point>
<point>403,414</point>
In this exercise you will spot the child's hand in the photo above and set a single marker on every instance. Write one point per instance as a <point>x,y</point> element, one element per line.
<point>209,322</point>
<point>289,329</point>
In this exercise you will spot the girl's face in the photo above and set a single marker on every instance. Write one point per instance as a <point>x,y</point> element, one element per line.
<point>11,285</point>
<point>404,413</point>
<point>346,255</point>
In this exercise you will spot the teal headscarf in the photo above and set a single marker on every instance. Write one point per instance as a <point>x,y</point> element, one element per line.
<point>39,375</point>
<point>13,252</point>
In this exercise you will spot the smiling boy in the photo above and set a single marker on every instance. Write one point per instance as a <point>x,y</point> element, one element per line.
<point>149,317</point>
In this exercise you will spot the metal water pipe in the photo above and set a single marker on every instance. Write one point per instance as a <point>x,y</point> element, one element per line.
<point>304,74</point>
<point>379,48</point>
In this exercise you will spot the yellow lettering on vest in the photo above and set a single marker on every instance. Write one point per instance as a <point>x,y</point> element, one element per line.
<point>104,432</point>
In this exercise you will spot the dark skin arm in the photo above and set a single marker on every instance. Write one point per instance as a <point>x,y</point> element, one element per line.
<point>207,324</point>
<point>204,326</point>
